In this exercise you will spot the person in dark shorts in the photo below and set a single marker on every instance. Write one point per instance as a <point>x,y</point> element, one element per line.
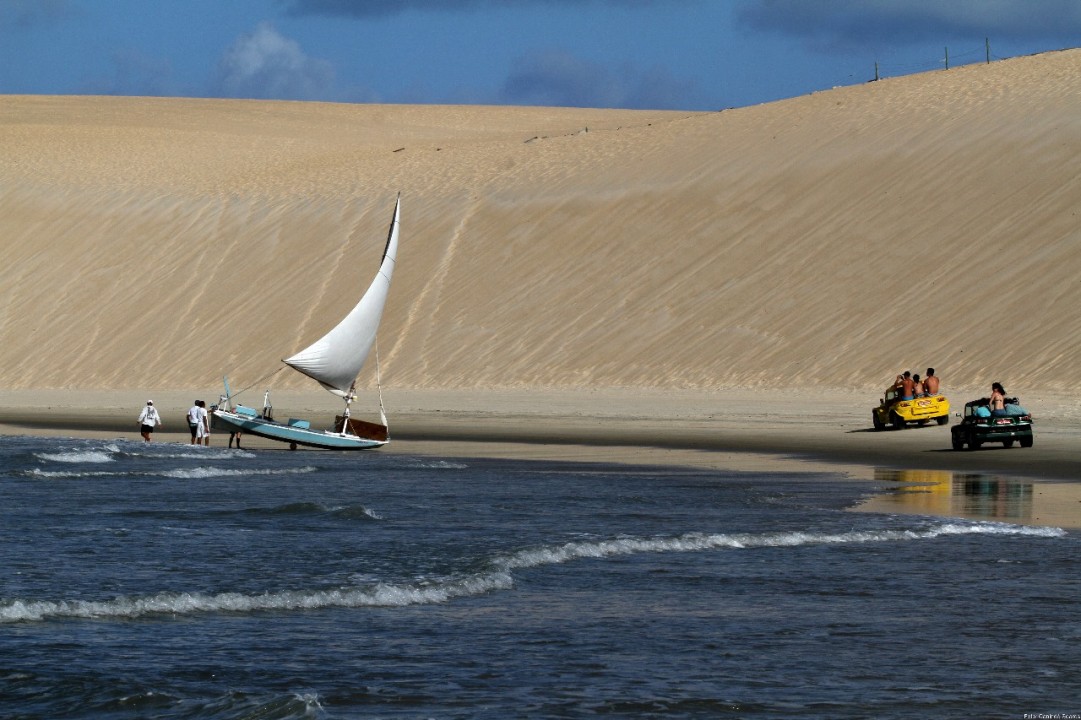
<point>148,420</point>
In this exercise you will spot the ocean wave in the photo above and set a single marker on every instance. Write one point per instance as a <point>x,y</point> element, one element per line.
<point>438,465</point>
<point>694,542</point>
<point>37,472</point>
<point>183,452</point>
<point>378,595</point>
<point>497,577</point>
<point>311,508</point>
<point>179,473</point>
<point>208,472</point>
<point>158,451</point>
<point>77,456</point>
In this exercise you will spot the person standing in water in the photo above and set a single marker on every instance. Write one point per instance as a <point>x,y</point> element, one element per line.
<point>148,420</point>
<point>199,423</point>
<point>205,424</point>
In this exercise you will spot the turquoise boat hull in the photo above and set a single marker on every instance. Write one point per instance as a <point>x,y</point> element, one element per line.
<point>293,433</point>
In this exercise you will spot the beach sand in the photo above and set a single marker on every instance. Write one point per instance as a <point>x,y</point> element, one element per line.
<point>748,431</point>
<point>710,289</point>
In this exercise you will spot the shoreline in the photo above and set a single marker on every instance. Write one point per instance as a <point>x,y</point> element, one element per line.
<point>760,431</point>
<point>680,427</point>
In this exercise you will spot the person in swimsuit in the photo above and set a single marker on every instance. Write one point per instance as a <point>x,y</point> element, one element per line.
<point>998,400</point>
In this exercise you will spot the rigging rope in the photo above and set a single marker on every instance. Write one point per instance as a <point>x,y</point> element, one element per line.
<point>379,385</point>
<point>257,382</point>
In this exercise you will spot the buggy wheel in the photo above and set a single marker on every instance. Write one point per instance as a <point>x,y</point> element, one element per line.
<point>879,425</point>
<point>896,421</point>
<point>1007,443</point>
<point>942,419</point>
<point>1026,441</point>
<point>958,443</point>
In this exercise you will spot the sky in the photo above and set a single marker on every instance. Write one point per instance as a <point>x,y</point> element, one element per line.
<point>640,54</point>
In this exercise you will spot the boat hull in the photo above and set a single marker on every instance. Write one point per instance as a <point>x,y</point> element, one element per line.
<point>282,432</point>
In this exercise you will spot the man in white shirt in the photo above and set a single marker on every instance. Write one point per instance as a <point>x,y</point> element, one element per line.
<point>148,420</point>
<point>199,424</point>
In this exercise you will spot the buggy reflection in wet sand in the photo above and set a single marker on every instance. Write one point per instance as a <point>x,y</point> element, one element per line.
<point>981,425</point>
<point>898,412</point>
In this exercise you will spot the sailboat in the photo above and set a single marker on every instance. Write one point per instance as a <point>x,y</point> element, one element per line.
<point>334,361</point>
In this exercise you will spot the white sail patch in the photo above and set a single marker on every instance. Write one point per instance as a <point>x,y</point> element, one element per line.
<point>336,358</point>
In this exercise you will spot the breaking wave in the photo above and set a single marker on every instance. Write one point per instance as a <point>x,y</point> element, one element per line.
<point>439,465</point>
<point>209,472</point>
<point>77,456</point>
<point>693,542</point>
<point>161,451</point>
<point>497,577</point>
<point>180,473</point>
<point>378,595</point>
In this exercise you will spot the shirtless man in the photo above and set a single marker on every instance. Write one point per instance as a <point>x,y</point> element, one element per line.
<point>930,382</point>
<point>906,385</point>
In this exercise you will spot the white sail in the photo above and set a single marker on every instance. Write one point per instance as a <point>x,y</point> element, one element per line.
<point>335,359</point>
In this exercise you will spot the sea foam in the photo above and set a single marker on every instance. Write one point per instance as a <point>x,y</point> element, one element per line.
<point>694,542</point>
<point>377,595</point>
<point>498,577</point>
<point>77,456</point>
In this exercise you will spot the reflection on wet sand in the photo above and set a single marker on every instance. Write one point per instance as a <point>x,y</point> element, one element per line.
<point>977,497</point>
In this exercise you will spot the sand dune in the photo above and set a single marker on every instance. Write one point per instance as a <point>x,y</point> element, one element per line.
<point>828,240</point>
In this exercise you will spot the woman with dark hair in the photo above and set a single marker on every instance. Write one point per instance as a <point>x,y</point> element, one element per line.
<point>998,399</point>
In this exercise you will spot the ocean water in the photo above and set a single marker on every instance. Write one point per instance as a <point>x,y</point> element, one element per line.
<point>167,581</point>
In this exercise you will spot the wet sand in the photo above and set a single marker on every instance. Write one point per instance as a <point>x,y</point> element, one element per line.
<point>760,431</point>
<point>763,429</point>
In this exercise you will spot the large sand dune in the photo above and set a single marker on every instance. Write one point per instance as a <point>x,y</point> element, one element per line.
<point>828,240</point>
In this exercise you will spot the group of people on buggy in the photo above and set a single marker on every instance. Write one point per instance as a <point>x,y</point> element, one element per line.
<point>910,387</point>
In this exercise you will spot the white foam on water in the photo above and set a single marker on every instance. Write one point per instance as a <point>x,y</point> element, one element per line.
<point>499,578</point>
<point>379,595</point>
<point>179,473</point>
<point>439,465</point>
<point>77,456</point>
<point>178,451</point>
<point>35,472</point>
<point>694,542</point>
<point>209,472</point>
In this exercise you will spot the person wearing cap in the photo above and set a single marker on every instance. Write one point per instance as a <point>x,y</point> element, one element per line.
<point>148,420</point>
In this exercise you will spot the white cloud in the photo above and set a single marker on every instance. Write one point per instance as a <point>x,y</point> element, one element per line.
<point>269,66</point>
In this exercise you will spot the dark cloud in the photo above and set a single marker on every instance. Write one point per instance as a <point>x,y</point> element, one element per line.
<point>29,13</point>
<point>266,65</point>
<point>563,80</point>
<point>384,8</point>
<point>857,23</point>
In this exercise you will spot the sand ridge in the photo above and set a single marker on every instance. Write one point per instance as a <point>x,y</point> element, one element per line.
<point>827,240</point>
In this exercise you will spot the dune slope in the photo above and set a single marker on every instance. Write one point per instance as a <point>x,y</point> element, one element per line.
<point>832,239</point>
